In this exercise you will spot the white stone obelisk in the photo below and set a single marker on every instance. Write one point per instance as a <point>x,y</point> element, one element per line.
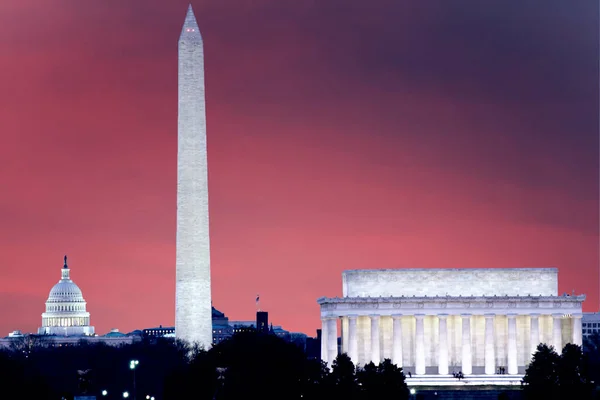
<point>193,309</point>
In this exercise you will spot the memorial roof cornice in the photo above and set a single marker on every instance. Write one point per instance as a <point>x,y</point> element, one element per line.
<point>420,299</point>
<point>402,270</point>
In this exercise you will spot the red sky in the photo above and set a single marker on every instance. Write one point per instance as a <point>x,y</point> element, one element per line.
<point>341,135</point>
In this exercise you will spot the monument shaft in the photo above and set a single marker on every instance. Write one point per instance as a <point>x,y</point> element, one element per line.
<point>193,310</point>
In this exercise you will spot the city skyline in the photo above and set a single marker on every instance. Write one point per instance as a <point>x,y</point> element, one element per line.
<point>379,136</point>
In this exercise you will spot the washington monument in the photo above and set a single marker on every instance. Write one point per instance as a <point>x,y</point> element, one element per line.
<point>193,309</point>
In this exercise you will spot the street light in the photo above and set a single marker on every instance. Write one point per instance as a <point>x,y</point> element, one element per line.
<point>104,392</point>
<point>125,395</point>
<point>132,365</point>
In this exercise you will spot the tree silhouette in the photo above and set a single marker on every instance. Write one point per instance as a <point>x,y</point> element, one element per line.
<point>550,376</point>
<point>541,377</point>
<point>573,374</point>
<point>368,379</point>
<point>384,380</point>
<point>591,349</point>
<point>342,380</point>
<point>258,365</point>
<point>315,379</point>
<point>393,380</point>
<point>17,378</point>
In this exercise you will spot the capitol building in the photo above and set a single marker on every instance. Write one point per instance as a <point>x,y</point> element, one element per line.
<point>66,313</point>
<point>66,320</point>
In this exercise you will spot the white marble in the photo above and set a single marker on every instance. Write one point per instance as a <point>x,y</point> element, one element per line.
<point>353,339</point>
<point>467,356</point>
<point>324,340</point>
<point>443,344</point>
<point>193,309</point>
<point>419,345</point>
<point>66,313</point>
<point>534,333</point>
<point>557,332</point>
<point>332,347</point>
<point>490,357</point>
<point>472,334</point>
<point>397,340</point>
<point>451,282</point>
<point>576,329</point>
<point>375,346</point>
<point>512,345</point>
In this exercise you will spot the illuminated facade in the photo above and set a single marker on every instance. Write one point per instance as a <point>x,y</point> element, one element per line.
<point>193,291</point>
<point>441,321</point>
<point>66,313</point>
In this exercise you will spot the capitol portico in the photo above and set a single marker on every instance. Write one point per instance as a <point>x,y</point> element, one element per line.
<point>440,321</point>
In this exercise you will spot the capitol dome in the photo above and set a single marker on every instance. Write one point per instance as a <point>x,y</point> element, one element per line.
<point>65,290</point>
<point>66,309</point>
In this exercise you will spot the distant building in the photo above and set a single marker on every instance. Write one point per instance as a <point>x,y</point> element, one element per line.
<point>590,323</point>
<point>223,328</point>
<point>262,321</point>
<point>66,321</point>
<point>66,313</point>
<point>17,340</point>
<point>436,321</point>
<point>220,326</point>
<point>313,346</point>
<point>160,331</point>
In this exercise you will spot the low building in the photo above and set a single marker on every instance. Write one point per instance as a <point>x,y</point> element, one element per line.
<point>16,341</point>
<point>590,323</point>
<point>160,331</point>
<point>223,328</point>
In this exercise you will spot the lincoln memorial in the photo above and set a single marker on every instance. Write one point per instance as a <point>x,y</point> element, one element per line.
<point>440,321</point>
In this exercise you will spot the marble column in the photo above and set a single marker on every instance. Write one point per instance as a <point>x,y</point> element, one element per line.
<point>397,339</point>
<point>443,345</point>
<point>332,347</point>
<point>375,348</point>
<point>512,345</point>
<point>343,336</point>
<point>352,339</point>
<point>557,332</point>
<point>490,356</point>
<point>324,336</point>
<point>576,329</point>
<point>419,345</point>
<point>534,333</point>
<point>467,361</point>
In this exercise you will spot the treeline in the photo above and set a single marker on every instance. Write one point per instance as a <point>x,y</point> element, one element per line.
<point>37,371</point>
<point>565,376</point>
<point>248,365</point>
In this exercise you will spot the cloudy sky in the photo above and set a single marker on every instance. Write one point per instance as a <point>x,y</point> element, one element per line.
<point>341,135</point>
